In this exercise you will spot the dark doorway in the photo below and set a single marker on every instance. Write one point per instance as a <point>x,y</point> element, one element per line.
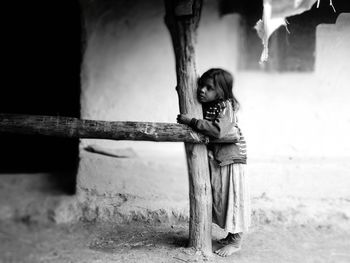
<point>42,42</point>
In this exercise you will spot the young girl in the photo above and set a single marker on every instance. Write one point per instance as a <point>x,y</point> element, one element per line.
<point>227,161</point>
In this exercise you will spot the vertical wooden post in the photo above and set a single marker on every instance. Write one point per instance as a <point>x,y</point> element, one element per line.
<point>182,18</point>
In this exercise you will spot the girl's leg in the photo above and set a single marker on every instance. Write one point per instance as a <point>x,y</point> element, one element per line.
<point>231,238</point>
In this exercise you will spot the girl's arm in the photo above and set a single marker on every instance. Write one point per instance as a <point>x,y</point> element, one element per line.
<point>220,127</point>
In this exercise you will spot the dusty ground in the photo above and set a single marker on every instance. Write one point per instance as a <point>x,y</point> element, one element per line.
<point>26,241</point>
<point>310,228</point>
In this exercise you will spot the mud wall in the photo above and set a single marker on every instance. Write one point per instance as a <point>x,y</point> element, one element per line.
<point>296,123</point>
<point>299,122</point>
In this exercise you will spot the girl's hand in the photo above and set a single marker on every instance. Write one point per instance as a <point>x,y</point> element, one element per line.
<point>184,119</point>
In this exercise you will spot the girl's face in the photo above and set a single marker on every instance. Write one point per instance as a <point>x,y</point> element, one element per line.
<point>207,91</point>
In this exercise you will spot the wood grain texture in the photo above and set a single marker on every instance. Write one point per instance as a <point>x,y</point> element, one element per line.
<point>68,127</point>
<point>183,33</point>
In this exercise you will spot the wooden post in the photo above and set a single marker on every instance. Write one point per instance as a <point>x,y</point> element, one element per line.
<point>182,18</point>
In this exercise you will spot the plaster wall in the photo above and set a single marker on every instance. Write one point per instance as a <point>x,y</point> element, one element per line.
<point>297,125</point>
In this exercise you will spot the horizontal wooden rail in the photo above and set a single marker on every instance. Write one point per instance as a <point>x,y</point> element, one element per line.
<point>68,127</point>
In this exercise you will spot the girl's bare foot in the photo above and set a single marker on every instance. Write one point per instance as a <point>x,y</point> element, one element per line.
<point>228,250</point>
<point>232,244</point>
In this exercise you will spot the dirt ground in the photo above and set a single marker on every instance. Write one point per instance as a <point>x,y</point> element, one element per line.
<point>294,230</point>
<point>26,241</point>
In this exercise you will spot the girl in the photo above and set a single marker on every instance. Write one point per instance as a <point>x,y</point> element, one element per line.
<point>227,162</point>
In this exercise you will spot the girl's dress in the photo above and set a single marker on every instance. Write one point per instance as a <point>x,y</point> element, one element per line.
<point>231,205</point>
<point>227,163</point>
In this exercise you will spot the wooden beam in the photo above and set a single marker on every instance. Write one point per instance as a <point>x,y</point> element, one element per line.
<point>183,26</point>
<point>116,130</point>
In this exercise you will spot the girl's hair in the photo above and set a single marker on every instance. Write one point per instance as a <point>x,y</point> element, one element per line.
<point>223,82</point>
